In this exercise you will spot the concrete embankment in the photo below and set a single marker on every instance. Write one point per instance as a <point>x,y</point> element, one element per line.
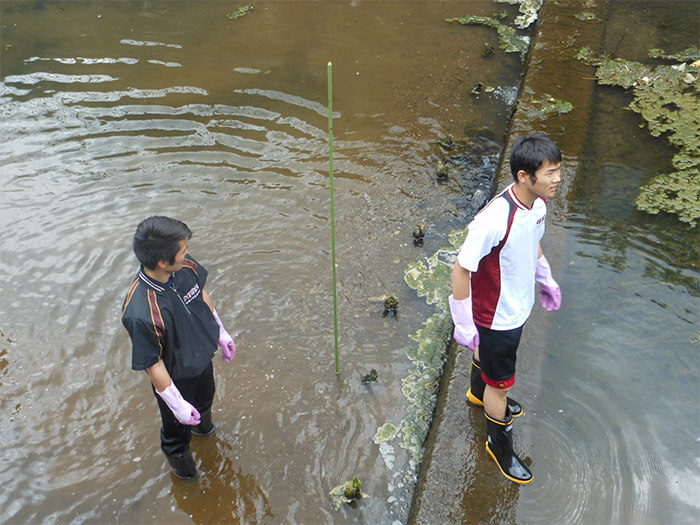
<point>458,482</point>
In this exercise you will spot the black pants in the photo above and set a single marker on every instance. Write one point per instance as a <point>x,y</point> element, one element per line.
<point>199,391</point>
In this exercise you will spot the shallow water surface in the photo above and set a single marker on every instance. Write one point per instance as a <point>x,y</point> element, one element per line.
<point>114,111</point>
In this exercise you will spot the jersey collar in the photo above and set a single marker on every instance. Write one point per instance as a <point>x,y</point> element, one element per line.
<point>151,283</point>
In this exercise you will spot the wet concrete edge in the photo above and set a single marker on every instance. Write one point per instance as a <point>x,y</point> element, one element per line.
<point>551,71</point>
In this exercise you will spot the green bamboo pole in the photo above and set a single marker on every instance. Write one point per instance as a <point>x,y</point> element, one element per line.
<point>330,147</point>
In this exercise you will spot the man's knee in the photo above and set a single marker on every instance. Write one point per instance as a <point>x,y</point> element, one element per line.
<point>499,391</point>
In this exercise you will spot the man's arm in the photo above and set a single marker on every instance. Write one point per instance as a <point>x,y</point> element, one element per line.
<point>465,332</point>
<point>183,411</point>
<point>550,293</point>
<point>228,347</point>
<point>207,300</point>
<point>460,282</point>
<point>159,376</point>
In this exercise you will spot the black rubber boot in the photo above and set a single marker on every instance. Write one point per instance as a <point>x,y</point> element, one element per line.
<point>205,427</point>
<point>475,394</point>
<point>183,465</point>
<point>500,447</point>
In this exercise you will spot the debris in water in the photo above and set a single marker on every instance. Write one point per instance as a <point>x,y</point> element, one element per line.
<point>370,378</point>
<point>241,11</point>
<point>488,50</point>
<point>348,492</point>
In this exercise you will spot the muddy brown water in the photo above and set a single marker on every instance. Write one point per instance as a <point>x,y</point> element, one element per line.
<point>114,111</point>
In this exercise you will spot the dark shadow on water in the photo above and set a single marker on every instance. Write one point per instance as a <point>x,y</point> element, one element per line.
<point>222,492</point>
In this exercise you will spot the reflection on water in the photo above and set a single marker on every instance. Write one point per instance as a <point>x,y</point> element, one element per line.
<point>113,111</point>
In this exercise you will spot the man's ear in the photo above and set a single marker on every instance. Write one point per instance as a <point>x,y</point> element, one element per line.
<point>162,264</point>
<point>523,177</point>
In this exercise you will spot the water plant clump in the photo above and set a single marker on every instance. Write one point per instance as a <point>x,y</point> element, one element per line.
<point>391,305</point>
<point>668,99</point>
<point>370,378</point>
<point>442,170</point>
<point>348,492</point>
<point>510,40</point>
<point>418,235</point>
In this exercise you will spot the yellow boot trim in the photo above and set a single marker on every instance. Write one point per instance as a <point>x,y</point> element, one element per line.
<point>519,481</point>
<point>473,399</point>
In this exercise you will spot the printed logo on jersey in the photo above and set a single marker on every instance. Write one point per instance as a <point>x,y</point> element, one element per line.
<point>189,296</point>
<point>541,220</point>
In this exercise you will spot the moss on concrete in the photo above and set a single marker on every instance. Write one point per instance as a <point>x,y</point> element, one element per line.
<point>430,279</point>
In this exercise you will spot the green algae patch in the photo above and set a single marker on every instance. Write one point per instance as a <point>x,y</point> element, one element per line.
<point>543,108</point>
<point>241,11</point>
<point>529,10</point>
<point>692,53</point>
<point>386,432</point>
<point>585,16</point>
<point>668,99</point>
<point>510,40</point>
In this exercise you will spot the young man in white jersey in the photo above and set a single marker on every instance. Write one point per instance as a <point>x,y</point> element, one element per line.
<point>493,282</point>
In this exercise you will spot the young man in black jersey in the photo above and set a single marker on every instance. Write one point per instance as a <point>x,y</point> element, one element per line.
<point>174,330</point>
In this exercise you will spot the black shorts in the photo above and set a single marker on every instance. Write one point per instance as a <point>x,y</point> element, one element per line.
<point>497,353</point>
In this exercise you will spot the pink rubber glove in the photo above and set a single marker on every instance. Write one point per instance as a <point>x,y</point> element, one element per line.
<point>182,410</point>
<point>550,293</point>
<point>228,347</point>
<point>466,333</point>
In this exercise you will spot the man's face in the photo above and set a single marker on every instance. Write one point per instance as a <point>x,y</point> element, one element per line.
<point>179,258</point>
<point>547,178</point>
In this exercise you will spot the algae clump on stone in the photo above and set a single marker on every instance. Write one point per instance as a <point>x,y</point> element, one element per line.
<point>668,99</point>
<point>510,40</point>
<point>529,10</point>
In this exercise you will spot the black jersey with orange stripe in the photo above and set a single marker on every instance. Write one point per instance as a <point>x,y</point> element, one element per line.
<point>171,321</point>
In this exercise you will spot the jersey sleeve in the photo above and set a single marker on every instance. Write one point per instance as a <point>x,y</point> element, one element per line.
<point>146,346</point>
<point>486,230</point>
<point>200,271</point>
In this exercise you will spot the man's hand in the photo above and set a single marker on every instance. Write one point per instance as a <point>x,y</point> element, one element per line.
<point>465,333</point>
<point>228,347</point>
<point>184,412</point>
<point>550,293</point>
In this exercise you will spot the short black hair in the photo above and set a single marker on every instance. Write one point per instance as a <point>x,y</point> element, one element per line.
<point>157,239</point>
<point>530,152</point>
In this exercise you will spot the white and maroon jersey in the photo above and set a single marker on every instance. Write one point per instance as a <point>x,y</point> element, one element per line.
<point>500,252</point>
